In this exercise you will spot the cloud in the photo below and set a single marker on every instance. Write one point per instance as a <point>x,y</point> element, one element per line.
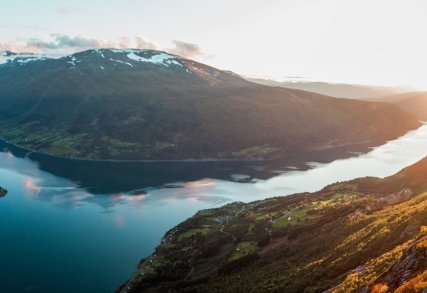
<point>24,27</point>
<point>67,10</point>
<point>57,44</point>
<point>184,49</point>
<point>67,42</point>
<point>60,44</point>
<point>63,44</point>
<point>13,46</point>
<point>143,44</point>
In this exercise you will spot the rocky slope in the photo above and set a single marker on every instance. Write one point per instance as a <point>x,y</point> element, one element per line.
<point>144,104</point>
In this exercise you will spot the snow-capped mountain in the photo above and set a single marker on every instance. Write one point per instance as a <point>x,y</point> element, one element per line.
<point>146,104</point>
<point>7,57</point>
<point>129,57</point>
<point>108,61</point>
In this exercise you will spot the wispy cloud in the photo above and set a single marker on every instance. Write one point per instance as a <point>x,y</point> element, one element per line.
<point>67,10</point>
<point>24,26</point>
<point>184,49</point>
<point>143,44</point>
<point>59,44</point>
<point>65,42</point>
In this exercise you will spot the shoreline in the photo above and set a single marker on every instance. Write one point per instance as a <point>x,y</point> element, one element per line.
<point>155,242</point>
<point>125,285</point>
<point>171,243</point>
<point>326,147</point>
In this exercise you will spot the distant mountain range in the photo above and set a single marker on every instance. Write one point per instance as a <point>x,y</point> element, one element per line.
<point>414,102</point>
<point>338,90</point>
<point>364,235</point>
<point>145,104</point>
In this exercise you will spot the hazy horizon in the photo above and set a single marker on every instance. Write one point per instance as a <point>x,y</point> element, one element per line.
<point>357,42</point>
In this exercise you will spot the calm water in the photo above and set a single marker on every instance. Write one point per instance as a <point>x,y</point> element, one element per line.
<point>79,226</point>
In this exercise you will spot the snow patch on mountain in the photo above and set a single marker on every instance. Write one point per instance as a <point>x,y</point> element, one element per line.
<point>99,51</point>
<point>159,59</point>
<point>20,58</point>
<point>72,61</point>
<point>120,61</point>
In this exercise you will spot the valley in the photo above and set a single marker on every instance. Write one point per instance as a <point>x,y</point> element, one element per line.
<point>213,146</point>
<point>96,213</point>
<point>230,139</point>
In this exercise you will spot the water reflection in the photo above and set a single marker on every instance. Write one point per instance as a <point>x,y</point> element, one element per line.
<point>109,177</point>
<point>64,193</point>
<point>64,222</point>
<point>109,184</point>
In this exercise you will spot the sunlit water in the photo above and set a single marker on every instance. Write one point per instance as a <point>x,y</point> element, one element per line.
<point>80,226</point>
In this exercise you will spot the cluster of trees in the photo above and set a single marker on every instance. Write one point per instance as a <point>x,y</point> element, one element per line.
<point>3,191</point>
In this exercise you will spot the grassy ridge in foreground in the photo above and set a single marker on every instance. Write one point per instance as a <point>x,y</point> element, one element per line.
<point>364,235</point>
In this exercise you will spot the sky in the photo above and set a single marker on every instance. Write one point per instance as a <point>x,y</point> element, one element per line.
<point>379,42</point>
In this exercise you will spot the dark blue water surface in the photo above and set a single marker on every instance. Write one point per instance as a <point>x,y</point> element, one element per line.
<point>82,226</point>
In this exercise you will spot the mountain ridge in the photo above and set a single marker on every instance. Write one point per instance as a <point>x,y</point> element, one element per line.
<point>338,90</point>
<point>132,104</point>
<point>413,102</point>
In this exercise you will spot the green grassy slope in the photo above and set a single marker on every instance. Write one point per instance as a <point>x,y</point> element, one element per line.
<point>365,235</point>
